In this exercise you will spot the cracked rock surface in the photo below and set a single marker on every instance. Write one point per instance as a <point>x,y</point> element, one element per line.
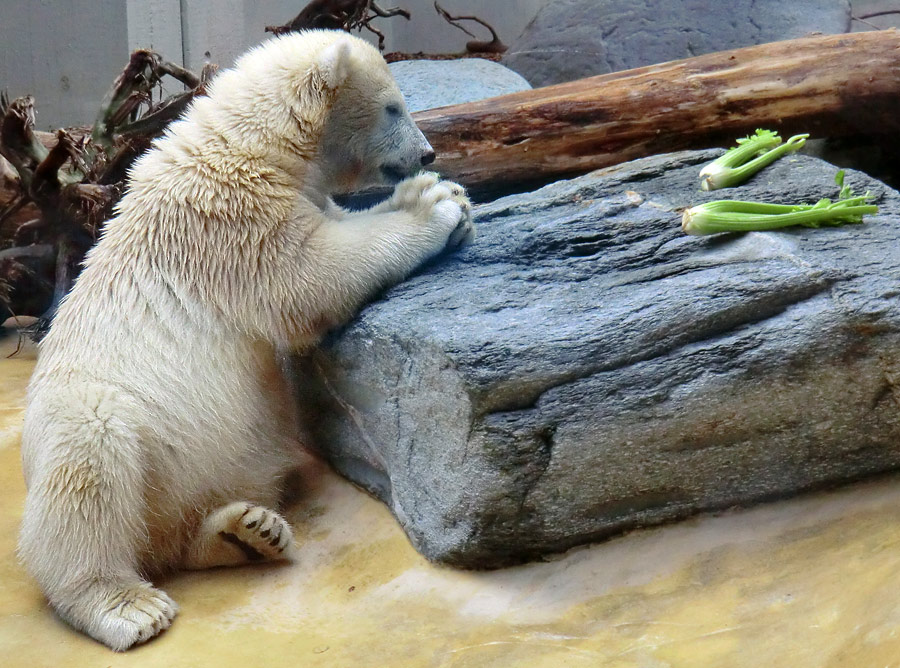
<point>584,368</point>
<point>571,39</point>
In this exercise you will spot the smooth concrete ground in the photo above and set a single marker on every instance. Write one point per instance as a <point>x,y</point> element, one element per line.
<point>811,582</point>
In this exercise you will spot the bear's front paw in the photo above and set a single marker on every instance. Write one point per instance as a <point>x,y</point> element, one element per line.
<point>408,193</point>
<point>464,232</point>
<point>450,212</point>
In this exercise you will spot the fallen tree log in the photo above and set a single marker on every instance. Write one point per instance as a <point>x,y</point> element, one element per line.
<point>828,86</point>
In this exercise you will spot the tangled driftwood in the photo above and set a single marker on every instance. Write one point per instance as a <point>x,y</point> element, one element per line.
<point>57,197</point>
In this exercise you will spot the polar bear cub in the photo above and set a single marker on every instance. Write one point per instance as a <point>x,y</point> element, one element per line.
<point>157,433</point>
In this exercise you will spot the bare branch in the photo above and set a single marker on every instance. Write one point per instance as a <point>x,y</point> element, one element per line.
<point>388,13</point>
<point>186,77</point>
<point>153,123</point>
<point>329,14</point>
<point>474,46</point>
<point>137,76</point>
<point>19,252</point>
<point>206,75</point>
<point>18,143</point>
<point>874,15</point>
<point>34,225</point>
<point>368,26</point>
<point>47,178</point>
<point>14,207</point>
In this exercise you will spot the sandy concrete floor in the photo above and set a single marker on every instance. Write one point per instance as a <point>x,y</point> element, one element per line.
<point>811,582</point>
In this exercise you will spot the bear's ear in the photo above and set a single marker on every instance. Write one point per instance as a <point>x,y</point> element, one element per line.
<point>334,63</point>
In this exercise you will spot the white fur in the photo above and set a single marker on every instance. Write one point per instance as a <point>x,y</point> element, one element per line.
<point>158,425</point>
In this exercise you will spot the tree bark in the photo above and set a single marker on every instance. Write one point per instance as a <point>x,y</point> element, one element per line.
<point>828,86</point>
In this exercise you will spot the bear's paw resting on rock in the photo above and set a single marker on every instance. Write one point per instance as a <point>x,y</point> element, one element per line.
<point>158,431</point>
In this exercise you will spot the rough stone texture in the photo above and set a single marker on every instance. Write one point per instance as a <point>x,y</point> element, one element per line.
<point>571,39</point>
<point>427,84</point>
<point>585,368</point>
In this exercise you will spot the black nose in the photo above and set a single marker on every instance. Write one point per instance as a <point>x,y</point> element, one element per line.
<point>428,158</point>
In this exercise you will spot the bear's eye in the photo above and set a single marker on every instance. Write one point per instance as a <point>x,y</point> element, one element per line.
<point>392,109</point>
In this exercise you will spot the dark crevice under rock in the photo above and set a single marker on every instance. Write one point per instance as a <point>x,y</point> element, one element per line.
<point>584,368</point>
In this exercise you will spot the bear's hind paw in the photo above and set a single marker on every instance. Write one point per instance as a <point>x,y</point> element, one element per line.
<point>239,533</point>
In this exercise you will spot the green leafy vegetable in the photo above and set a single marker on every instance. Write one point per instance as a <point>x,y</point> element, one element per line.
<point>736,216</point>
<point>748,157</point>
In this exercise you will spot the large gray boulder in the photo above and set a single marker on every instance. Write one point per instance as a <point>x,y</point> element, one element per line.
<point>585,368</point>
<point>427,84</point>
<point>571,39</point>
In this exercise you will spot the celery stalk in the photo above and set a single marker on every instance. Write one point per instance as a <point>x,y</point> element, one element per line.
<point>751,155</point>
<point>739,216</point>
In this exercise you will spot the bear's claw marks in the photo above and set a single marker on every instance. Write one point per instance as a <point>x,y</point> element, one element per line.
<point>133,615</point>
<point>241,532</point>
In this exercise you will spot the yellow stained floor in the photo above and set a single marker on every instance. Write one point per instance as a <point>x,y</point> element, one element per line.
<point>811,582</point>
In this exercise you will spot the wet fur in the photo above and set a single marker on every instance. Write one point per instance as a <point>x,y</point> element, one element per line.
<point>157,425</point>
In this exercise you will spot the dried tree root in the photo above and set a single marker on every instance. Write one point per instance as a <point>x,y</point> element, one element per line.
<point>75,183</point>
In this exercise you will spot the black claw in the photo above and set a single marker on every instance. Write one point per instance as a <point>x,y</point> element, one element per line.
<point>275,540</point>
<point>251,525</point>
<point>265,534</point>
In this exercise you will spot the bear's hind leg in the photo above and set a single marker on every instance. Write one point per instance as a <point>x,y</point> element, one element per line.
<point>83,527</point>
<point>240,533</point>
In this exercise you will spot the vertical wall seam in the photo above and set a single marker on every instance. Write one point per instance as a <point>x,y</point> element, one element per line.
<point>184,36</point>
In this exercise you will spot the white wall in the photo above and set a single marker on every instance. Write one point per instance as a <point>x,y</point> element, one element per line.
<point>64,52</point>
<point>67,52</point>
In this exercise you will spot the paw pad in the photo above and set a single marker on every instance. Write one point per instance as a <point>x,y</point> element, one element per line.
<point>260,533</point>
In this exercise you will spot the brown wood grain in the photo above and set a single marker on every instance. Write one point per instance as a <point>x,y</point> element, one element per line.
<point>828,86</point>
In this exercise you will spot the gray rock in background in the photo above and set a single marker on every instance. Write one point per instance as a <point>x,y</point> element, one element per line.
<point>585,368</point>
<point>571,39</point>
<point>427,84</point>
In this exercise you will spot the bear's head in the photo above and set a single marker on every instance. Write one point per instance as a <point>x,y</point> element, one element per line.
<point>326,101</point>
